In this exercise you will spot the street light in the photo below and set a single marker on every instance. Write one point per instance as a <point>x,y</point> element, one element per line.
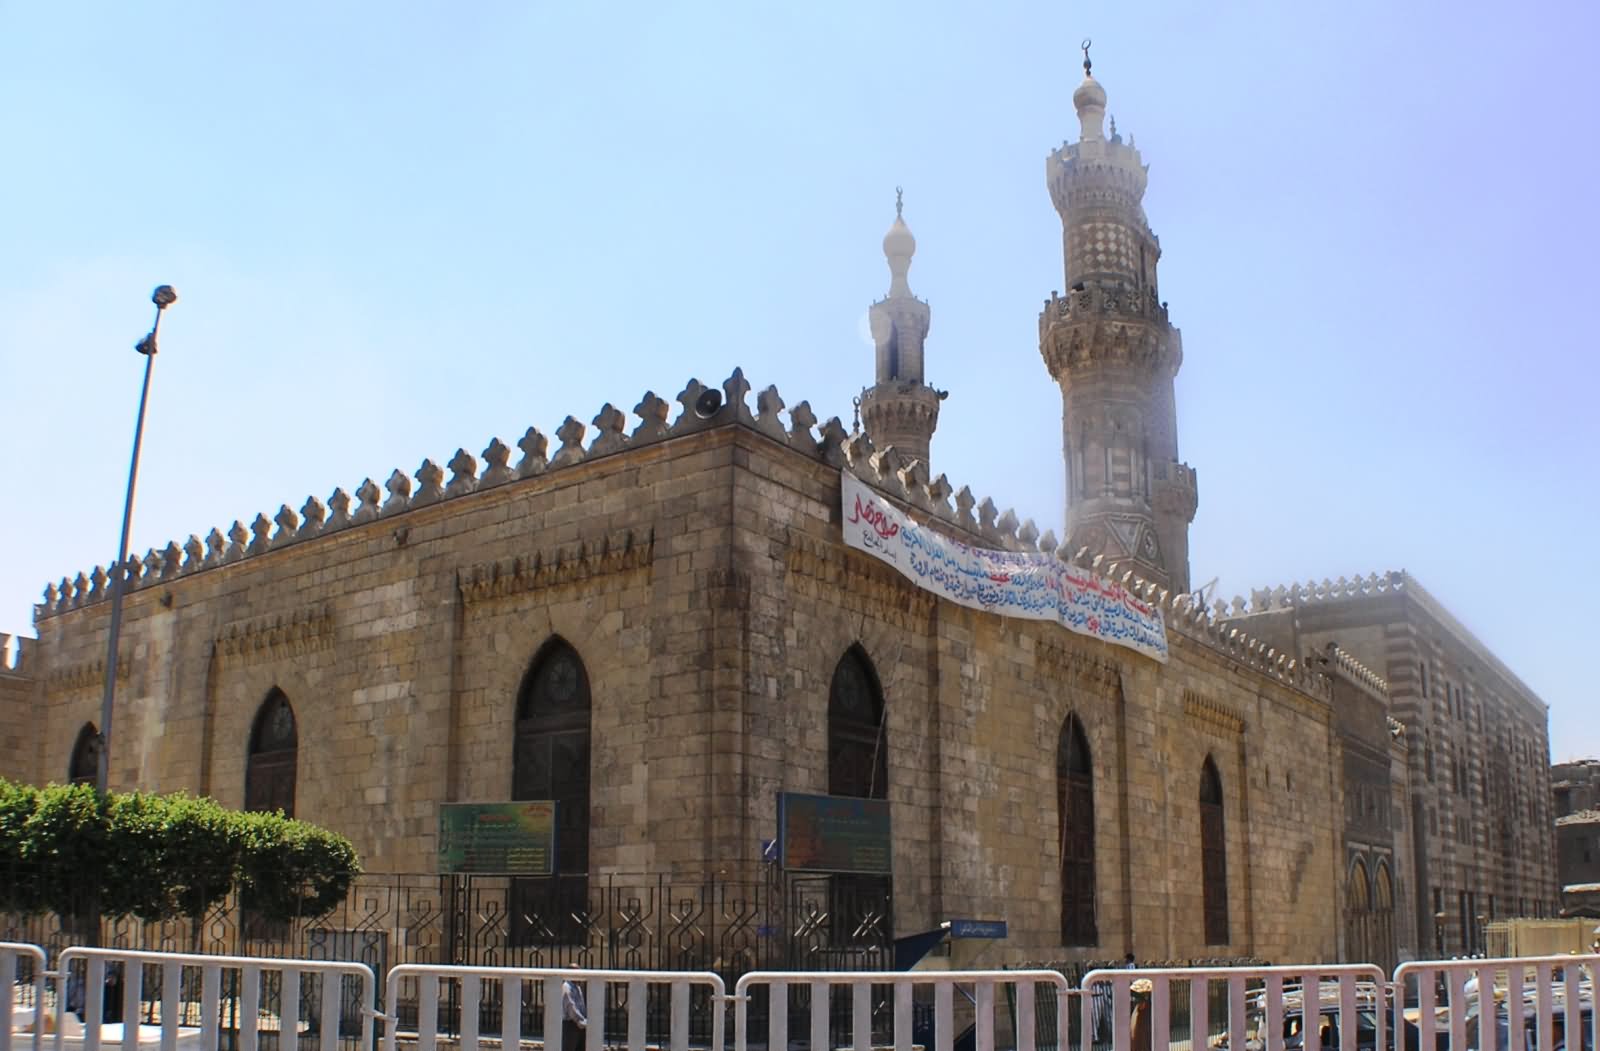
<point>163,298</point>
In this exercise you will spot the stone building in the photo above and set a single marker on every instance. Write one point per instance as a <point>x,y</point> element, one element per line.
<point>1576,792</point>
<point>661,628</point>
<point>1478,810</point>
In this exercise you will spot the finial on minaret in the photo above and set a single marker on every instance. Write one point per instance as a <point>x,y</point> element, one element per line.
<point>1090,101</point>
<point>898,247</point>
<point>855,423</point>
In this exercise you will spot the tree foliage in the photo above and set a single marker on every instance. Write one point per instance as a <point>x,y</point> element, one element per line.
<point>161,856</point>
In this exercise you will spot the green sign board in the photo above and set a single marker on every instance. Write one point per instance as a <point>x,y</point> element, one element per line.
<point>833,834</point>
<point>501,839</point>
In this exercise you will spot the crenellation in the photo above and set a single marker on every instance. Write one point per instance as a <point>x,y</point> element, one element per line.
<point>801,420</point>
<point>571,433</point>
<point>463,474</point>
<point>399,488</point>
<point>534,445</point>
<point>238,537</point>
<point>430,485</point>
<point>97,583</point>
<point>314,515</point>
<point>216,548</point>
<point>496,456</point>
<point>288,529</point>
<point>261,535</point>
<point>652,411</point>
<point>610,434</point>
<point>768,405</point>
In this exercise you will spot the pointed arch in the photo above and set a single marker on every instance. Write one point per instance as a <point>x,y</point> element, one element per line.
<point>1075,833</point>
<point>550,760</point>
<point>1383,947</point>
<point>858,765</point>
<point>1358,914</point>
<point>858,759</point>
<point>272,756</point>
<point>1213,854</point>
<point>84,766</point>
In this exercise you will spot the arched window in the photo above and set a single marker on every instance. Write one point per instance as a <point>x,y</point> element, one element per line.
<point>1383,948</point>
<point>84,767</point>
<point>550,760</point>
<point>858,761</point>
<point>1075,821</point>
<point>1213,855</point>
<point>269,771</point>
<point>1357,916</point>
<point>858,766</point>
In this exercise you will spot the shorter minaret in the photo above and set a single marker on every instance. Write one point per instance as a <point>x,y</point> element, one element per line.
<point>900,409</point>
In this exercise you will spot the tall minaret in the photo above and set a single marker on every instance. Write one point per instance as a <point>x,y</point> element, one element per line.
<point>1109,345</point>
<point>900,409</point>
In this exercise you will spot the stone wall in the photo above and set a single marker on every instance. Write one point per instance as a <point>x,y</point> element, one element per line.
<point>19,721</point>
<point>698,571</point>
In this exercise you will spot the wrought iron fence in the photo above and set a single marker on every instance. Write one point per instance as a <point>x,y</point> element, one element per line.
<point>618,922</point>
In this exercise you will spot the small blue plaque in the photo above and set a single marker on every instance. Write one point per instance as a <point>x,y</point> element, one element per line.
<point>977,928</point>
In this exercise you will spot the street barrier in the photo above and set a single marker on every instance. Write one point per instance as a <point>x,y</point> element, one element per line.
<point>187,1017</point>
<point>943,986</point>
<point>1268,999</point>
<point>470,988</point>
<point>1555,994</point>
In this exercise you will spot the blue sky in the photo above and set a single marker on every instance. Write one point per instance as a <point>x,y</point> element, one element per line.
<point>398,229</point>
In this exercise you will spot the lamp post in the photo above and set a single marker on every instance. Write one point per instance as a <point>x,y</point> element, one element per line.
<point>163,298</point>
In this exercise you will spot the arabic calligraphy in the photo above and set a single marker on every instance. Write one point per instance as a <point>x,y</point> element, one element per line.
<point>1033,585</point>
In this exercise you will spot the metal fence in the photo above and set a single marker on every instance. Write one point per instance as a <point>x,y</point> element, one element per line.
<point>632,1009</point>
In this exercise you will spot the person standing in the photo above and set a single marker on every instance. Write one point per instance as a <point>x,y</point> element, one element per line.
<point>574,1016</point>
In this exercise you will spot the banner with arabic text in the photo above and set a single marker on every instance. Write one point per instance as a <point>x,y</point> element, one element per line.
<point>1030,584</point>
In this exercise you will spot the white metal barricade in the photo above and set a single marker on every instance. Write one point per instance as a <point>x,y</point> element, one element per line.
<point>595,986</point>
<point>21,1018</point>
<point>1554,998</point>
<point>186,1024</point>
<point>904,983</point>
<point>1265,999</point>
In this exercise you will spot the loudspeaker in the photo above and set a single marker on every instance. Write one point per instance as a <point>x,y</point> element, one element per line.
<point>708,404</point>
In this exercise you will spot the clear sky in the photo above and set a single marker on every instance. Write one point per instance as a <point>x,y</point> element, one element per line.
<point>397,229</point>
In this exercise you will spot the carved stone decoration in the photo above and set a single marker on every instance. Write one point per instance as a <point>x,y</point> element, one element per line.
<point>964,504</point>
<point>238,537</point>
<point>399,486</point>
<point>495,471</point>
<point>50,596</point>
<point>288,526</point>
<point>262,530</point>
<point>831,445</point>
<point>97,583</point>
<point>431,478</point>
<point>688,419</point>
<point>463,474</point>
<point>734,389</point>
<point>1006,526</point>
<point>369,494</point>
<point>171,560</point>
<point>801,420</point>
<point>884,469</point>
<point>939,497</point>
<point>533,446</point>
<point>216,548</point>
<point>769,403</point>
<point>571,434</point>
<point>312,515</point>
<point>609,422</point>
<point>652,412</point>
<point>1048,542</point>
<point>339,508</point>
<point>152,567</point>
<point>914,479</point>
<point>987,513</point>
<point>859,450</point>
<point>64,595</point>
<point>1028,535</point>
<point>194,553</point>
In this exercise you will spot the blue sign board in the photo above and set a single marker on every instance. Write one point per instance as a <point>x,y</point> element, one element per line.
<point>977,928</point>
